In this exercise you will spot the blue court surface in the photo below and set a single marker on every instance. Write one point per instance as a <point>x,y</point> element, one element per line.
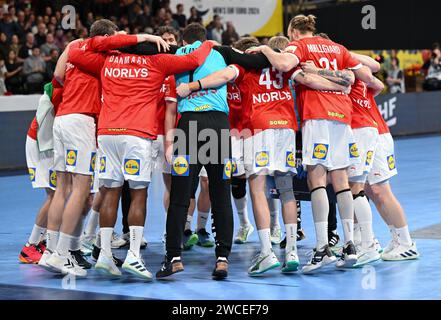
<point>417,187</point>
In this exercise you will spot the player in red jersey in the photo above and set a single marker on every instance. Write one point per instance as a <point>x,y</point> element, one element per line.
<point>125,135</point>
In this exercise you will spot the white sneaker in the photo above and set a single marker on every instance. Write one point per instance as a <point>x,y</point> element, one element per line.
<point>65,265</point>
<point>378,246</point>
<point>106,265</point>
<point>143,243</point>
<point>263,263</point>
<point>401,252</point>
<point>136,266</point>
<point>291,263</point>
<point>43,261</point>
<point>366,256</point>
<point>87,243</point>
<point>276,235</point>
<point>391,246</point>
<point>243,234</point>
<point>320,258</point>
<point>119,241</point>
<point>349,256</point>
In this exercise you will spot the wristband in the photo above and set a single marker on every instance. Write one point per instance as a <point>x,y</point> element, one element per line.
<point>200,84</point>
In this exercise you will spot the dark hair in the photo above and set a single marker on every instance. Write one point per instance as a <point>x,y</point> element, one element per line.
<point>436,45</point>
<point>102,27</point>
<point>303,23</point>
<point>323,35</point>
<point>167,29</point>
<point>246,43</point>
<point>397,61</point>
<point>194,32</point>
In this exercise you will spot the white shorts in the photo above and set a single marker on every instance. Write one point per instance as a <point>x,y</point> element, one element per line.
<point>367,140</point>
<point>237,156</point>
<point>95,168</point>
<point>203,173</point>
<point>329,143</point>
<point>269,151</point>
<point>74,143</point>
<point>384,164</point>
<point>158,156</point>
<point>40,166</point>
<point>124,157</point>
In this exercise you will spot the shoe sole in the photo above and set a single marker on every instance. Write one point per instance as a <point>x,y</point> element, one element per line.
<point>136,274</point>
<point>169,275</point>
<point>220,276</point>
<point>291,266</point>
<point>206,244</point>
<point>274,266</point>
<point>105,271</point>
<point>26,261</point>
<point>49,268</point>
<point>240,241</point>
<point>323,264</point>
<point>361,264</point>
<point>276,242</point>
<point>401,258</point>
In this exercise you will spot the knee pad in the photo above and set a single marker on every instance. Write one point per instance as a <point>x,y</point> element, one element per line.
<point>361,194</point>
<point>238,188</point>
<point>284,186</point>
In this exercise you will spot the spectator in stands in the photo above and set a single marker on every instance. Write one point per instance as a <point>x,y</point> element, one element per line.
<point>15,44</point>
<point>194,16</point>
<point>395,77</point>
<point>4,46</point>
<point>179,16</point>
<point>433,79</point>
<point>216,29</point>
<point>40,37</point>
<point>230,35</point>
<point>144,19</point>
<point>90,19</point>
<point>26,49</point>
<point>3,72</point>
<point>34,69</point>
<point>21,24</point>
<point>8,26</point>
<point>169,21</point>
<point>13,77</point>
<point>160,18</point>
<point>60,38</point>
<point>48,47</point>
<point>51,63</point>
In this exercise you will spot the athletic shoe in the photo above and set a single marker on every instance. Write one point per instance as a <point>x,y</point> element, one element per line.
<point>143,243</point>
<point>333,238</point>
<point>291,263</point>
<point>66,265</point>
<point>320,258</point>
<point>136,266</point>
<point>170,267</point>
<point>378,246</point>
<point>42,246</point>
<point>401,252</point>
<point>96,253</point>
<point>204,239</point>
<point>366,256</point>
<point>87,243</point>
<point>220,271</point>
<point>391,246</point>
<point>243,234</point>
<point>120,241</point>
<point>349,257</point>
<point>276,235</point>
<point>283,243</point>
<point>262,263</point>
<point>190,239</point>
<point>78,258</point>
<point>106,265</point>
<point>164,238</point>
<point>30,254</point>
<point>301,235</point>
<point>43,262</point>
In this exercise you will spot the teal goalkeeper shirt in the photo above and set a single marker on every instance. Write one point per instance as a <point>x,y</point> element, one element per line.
<point>213,99</point>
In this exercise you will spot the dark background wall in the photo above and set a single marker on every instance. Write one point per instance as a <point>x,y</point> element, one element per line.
<point>409,24</point>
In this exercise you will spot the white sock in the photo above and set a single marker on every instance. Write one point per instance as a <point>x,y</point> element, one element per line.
<point>36,234</point>
<point>64,244</point>
<point>52,240</point>
<point>403,236</point>
<point>274,212</point>
<point>188,223</point>
<point>345,204</point>
<point>363,213</point>
<point>291,237</point>
<point>92,223</point>
<point>98,239</point>
<point>242,211</point>
<point>202,219</point>
<point>106,240</point>
<point>320,212</point>
<point>357,234</point>
<point>136,234</point>
<point>393,233</point>
<point>265,240</point>
<point>75,244</point>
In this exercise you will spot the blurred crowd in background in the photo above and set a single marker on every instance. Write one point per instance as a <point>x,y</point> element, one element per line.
<point>32,38</point>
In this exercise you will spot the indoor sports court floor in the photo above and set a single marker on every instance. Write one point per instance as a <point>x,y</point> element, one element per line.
<point>417,187</point>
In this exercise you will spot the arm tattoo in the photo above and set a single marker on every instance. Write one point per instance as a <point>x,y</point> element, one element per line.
<point>339,77</point>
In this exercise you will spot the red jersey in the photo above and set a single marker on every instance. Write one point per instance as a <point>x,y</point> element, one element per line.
<point>83,91</point>
<point>362,107</point>
<point>57,96</point>
<point>378,118</point>
<point>266,99</point>
<point>325,54</point>
<point>235,105</point>
<point>130,86</point>
<point>167,93</point>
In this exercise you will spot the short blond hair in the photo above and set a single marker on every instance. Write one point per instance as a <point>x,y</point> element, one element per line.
<point>278,42</point>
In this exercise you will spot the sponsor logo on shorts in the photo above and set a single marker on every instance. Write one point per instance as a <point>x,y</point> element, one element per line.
<point>52,179</point>
<point>391,162</point>
<point>71,157</point>
<point>369,158</point>
<point>92,162</point>
<point>180,166</point>
<point>353,150</point>
<point>228,169</point>
<point>234,163</point>
<point>92,182</point>
<point>32,174</point>
<point>320,151</point>
<point>103,165</point>
<point>132,167</point>
<point>262,159</point>
<point>290,159</point>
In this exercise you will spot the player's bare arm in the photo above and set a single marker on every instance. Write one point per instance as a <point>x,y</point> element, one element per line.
<point>318,82</point>
<point>169,126</point>
<point>282,61</point>
<point>376,86</point>
<point>343,78</point>
<point>367,61</point>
